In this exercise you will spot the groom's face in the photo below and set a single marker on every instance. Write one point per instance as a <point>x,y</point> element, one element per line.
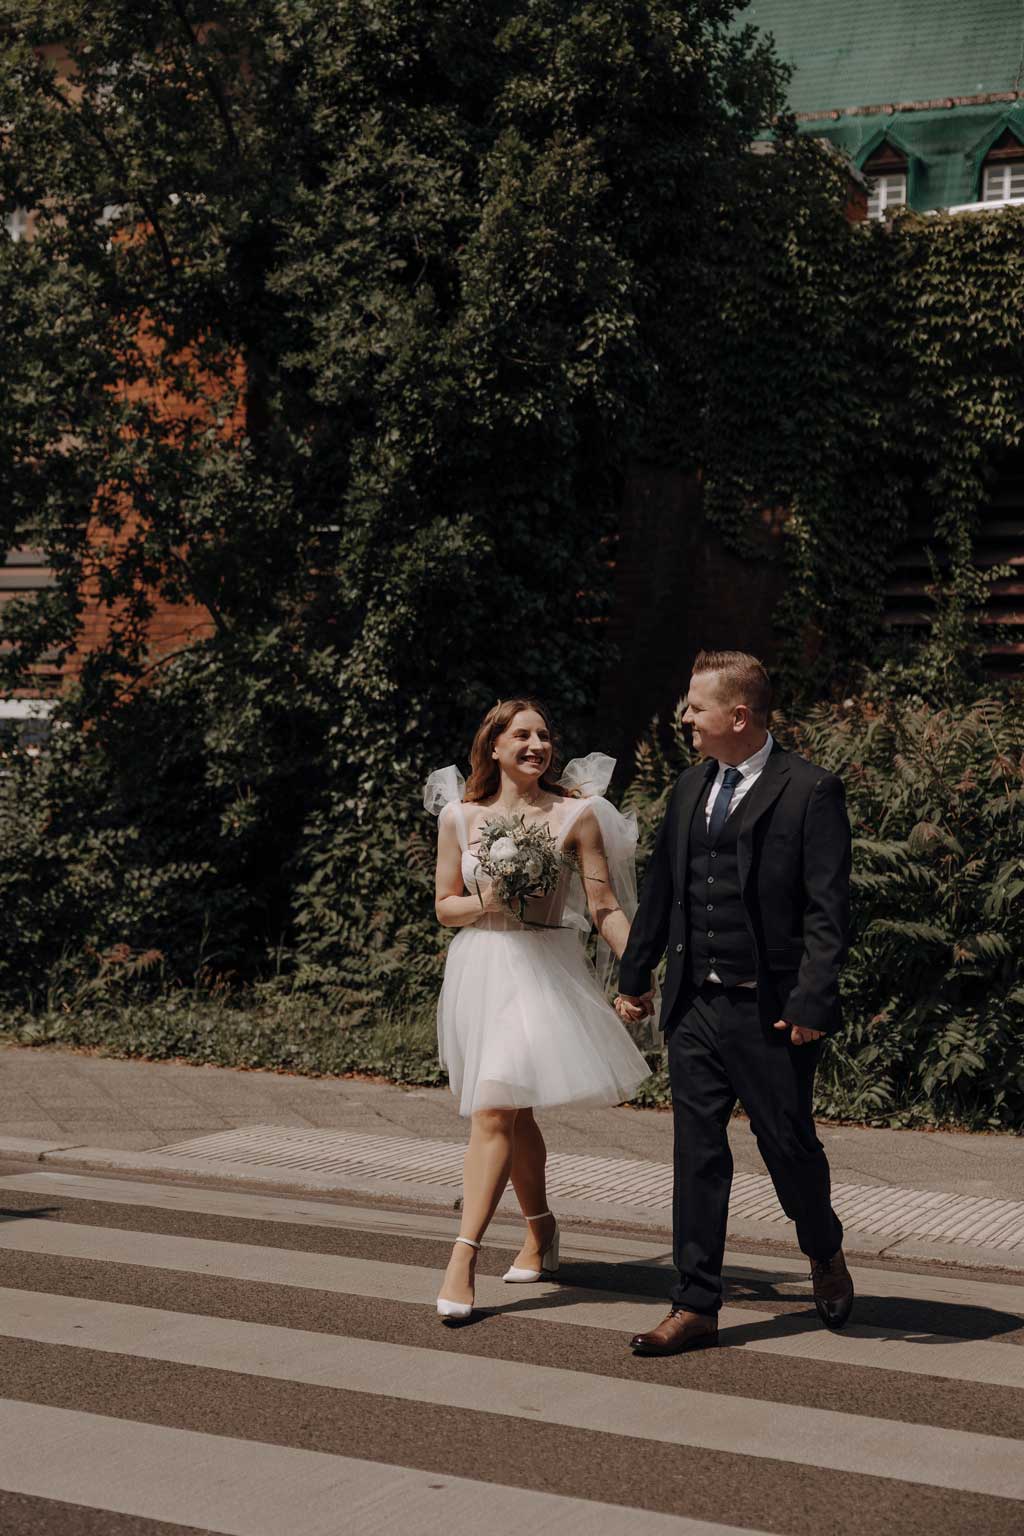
<point>712,718</point>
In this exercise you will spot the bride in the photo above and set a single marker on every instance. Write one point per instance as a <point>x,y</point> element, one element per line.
<point>522,1018</point>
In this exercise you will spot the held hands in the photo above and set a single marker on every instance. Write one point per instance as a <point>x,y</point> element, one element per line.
<point>798,1034</point>
<point>632,1009</point>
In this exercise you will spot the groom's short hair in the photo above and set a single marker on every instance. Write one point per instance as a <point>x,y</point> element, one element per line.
<point>742,680</point>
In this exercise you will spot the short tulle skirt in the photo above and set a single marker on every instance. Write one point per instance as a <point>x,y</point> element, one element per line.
<point>522,1022</point>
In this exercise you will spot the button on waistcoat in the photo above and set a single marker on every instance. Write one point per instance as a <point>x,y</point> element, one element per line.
<point>720,940</point>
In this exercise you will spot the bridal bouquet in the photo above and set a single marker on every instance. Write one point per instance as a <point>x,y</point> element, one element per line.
<point>522,861</point>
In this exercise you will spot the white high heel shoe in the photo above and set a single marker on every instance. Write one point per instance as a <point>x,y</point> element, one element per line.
<point>548,1260</point>
<point>453,1311</point>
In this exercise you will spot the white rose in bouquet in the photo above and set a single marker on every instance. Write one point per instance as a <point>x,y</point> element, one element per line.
<point>523,861</point>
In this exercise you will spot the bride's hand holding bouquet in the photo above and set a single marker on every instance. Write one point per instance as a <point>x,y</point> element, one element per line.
<point>522,861</point>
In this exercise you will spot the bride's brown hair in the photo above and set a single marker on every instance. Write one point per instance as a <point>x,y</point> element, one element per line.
<point>484,773</point>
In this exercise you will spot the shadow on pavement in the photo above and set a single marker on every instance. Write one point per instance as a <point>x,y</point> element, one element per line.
<point>909,1319</point>
<point>28,1213</point>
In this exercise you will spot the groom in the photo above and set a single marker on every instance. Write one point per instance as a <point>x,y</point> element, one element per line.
<point>748,889</point>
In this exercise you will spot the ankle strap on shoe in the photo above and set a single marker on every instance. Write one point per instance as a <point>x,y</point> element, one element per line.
<point>468,1242</point>
<point>537,1218</point>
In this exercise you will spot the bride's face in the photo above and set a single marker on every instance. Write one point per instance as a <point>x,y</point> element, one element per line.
<point>523,749</point>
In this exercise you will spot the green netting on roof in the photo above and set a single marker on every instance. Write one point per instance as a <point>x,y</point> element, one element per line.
<point>944,149</point>
<point>859,53</point>
<point>848,55</point>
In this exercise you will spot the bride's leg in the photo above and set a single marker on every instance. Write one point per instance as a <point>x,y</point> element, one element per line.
<point>485,1174</point>
<point>529,1162</point>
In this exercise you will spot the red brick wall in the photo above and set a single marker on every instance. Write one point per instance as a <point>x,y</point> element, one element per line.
<point>172,625</point>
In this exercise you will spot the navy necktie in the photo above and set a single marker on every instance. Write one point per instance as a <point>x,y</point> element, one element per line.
<point>720,809</point>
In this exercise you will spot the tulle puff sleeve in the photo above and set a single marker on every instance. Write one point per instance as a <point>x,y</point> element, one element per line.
<point>442,797</point>
<point>443,786</point>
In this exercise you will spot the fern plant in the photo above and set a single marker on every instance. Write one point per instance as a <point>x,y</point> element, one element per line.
<point>934,988</point>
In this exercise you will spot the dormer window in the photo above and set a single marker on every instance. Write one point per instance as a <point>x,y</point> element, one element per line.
<point>886,192</point>
<point>886,174</point>
<point>1003,183</point>
<point>1002,176</point>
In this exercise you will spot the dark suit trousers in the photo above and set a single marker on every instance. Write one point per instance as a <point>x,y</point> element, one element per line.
<point>718,1052</point>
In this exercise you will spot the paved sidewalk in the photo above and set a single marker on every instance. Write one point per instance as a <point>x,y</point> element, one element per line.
<point>113,1113</point>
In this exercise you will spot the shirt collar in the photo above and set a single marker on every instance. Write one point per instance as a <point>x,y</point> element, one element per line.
<point>753,764</point>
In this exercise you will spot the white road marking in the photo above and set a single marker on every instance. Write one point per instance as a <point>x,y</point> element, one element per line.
<point>843,1442</point>
<point>247,1488</point>
<point>955,1290</point>
<point>975,1360</point>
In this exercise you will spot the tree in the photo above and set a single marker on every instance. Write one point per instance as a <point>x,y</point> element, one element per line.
<point>342,321</point>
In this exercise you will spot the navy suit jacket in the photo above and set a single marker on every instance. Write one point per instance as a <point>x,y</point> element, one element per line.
<point>794,861</point>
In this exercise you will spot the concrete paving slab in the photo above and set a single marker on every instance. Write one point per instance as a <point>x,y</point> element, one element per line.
<point>30,1148</point>
<point>115,1115</point>
<point>984,1164</point>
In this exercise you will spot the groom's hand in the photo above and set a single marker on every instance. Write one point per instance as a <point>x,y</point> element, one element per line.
<point>798,1034</point>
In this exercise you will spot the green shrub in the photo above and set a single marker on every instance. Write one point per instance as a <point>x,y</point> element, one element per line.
<point>315,1036</point>
<point>933,991</point>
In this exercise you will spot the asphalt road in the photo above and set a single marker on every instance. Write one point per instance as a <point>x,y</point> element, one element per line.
<point>178,1358</point>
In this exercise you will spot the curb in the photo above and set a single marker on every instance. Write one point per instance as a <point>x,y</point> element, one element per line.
<point>857,1244</point>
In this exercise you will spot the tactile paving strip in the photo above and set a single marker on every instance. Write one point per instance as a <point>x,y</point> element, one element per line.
<point>882,1209</point>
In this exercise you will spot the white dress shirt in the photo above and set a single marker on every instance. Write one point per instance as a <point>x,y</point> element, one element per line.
<point>751,771</point>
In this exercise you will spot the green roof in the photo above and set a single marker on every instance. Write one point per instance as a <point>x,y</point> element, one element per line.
<point>876,53</point>
<point>846,54</point>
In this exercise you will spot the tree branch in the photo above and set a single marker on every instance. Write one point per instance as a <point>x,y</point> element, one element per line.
<point>97,134</point>
<point>212,83</point>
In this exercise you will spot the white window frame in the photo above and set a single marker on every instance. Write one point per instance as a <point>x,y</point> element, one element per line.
<point>16,223</point>
<point>886,190</point>
<point>28,713</point>
<point>1002,181</point>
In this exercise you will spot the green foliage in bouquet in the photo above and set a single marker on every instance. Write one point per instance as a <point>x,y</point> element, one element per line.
<point>933,993</point>
<point>522,859</point>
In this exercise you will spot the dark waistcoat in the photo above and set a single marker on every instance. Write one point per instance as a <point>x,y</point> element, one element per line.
<point>720,940</point>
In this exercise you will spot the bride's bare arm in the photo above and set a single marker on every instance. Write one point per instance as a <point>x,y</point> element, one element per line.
<point>454,909</point>
<point>609,919</point>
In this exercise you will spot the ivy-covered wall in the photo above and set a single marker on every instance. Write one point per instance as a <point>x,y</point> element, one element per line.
<point>864,376</point>
<point>859,379</point>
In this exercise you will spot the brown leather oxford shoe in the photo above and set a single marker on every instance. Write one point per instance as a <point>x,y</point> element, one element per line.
<point>680,1330</point>
<point>833,1289</point>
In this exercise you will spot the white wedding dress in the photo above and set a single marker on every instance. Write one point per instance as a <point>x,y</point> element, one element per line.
<point>522,1019</point>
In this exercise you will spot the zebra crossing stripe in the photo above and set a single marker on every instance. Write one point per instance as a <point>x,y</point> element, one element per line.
<point>672,1415</point>
<point>976,1360</point>
<point>579,1246</point>
<point>248,1488</point>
